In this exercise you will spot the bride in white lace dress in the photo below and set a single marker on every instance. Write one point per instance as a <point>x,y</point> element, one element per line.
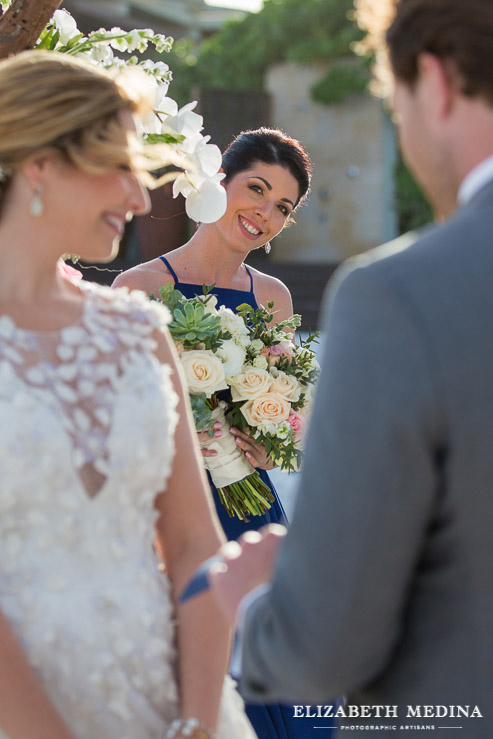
<point>97,455</point>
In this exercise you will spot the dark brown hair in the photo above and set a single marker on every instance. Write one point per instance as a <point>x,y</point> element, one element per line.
<point>271,146</point>
<point>458,31</point>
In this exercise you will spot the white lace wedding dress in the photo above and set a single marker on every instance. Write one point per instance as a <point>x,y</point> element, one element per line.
<point>86,441</point>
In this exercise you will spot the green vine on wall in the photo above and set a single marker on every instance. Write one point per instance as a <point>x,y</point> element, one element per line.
<point>301,31</point>
<point>341,80</point>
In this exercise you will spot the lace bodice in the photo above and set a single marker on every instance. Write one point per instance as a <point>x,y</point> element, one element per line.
<point>79,378</point>
<point>87,416</point>
<point>86,441</point>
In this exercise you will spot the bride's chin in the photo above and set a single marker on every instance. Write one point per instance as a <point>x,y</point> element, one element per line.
<point>102,258</point>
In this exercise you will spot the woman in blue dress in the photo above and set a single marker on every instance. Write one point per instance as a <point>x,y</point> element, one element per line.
<point>267,177</point>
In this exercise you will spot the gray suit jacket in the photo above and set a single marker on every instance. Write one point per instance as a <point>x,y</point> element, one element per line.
<point>384,586</point>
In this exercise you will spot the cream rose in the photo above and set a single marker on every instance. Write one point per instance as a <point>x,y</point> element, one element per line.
<point>251,382</point>
<point>286,385</point>
<point>269,407</point>
<point>204,372</point>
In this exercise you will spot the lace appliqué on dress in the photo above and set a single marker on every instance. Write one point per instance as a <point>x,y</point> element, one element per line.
<point>87,417</point>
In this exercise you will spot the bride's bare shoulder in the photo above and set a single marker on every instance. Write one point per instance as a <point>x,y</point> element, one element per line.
<point>148,276</point>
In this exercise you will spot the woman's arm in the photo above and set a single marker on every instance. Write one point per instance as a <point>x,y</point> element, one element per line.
<point>189,533</point>
<point>26,711</point>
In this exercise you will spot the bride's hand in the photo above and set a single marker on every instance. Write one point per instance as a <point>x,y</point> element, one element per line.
<point>204,436</point>
<point>255,453</point>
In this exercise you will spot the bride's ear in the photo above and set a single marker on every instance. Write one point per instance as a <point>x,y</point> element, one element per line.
<point>35,170</point>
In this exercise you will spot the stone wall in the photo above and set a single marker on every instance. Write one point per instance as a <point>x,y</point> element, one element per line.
<point>352,146</point>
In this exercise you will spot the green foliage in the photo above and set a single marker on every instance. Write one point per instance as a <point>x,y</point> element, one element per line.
<point>238,56</point>
<point>340,81</point>
<point>258,318</point>
<point>164,138</point>
<point>413,210</point>
<point>193,325</point>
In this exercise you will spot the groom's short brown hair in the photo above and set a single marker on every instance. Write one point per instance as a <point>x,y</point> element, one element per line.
<point>460,31</point>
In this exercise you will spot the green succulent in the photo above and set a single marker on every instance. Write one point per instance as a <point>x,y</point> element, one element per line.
<point>192,324</point>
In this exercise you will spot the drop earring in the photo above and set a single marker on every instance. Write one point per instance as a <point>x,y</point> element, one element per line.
<point>36,206</point>
<point>267,247</point>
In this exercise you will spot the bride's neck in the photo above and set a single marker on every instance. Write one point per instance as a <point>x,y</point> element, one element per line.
<point>27,269</point>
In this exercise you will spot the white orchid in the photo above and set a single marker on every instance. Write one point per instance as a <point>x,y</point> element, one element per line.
<point>179,131</point>
<point>205,202</point>
<point>66,26</point>
<point>101,54</point>
<point>185,122</point>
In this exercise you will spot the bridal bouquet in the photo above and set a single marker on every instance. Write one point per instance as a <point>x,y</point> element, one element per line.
<point>269,382</point>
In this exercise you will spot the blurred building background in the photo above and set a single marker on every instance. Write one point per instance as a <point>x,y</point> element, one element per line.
<point>178,18</point>
<point>292,66</point>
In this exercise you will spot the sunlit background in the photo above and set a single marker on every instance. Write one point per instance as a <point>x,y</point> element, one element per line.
<point>253,5</point>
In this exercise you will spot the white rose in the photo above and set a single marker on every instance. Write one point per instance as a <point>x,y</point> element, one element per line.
<point>260,363</point>
<point>266,408</point>
<point>233,357</point>
<point>204,372</point>
<point>250,383</point>
<point>257,345</point>
<point>286,385</point>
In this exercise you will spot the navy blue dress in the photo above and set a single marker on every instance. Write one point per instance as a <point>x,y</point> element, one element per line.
<point>270,721</point>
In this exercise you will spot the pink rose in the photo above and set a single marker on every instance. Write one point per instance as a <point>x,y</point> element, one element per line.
<point>65,270</point>
<point>276,352</point>
<point>297,423</point>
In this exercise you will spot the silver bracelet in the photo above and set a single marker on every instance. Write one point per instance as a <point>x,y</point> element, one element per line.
<point>189,727</point>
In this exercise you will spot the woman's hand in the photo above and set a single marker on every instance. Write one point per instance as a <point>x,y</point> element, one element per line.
<point>204,436</point>
<point>255,453</point>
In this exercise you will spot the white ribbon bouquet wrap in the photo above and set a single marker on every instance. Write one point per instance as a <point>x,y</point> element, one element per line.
<point>230,464</point>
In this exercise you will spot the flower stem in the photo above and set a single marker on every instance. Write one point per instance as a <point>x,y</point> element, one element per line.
<point>248,497</point>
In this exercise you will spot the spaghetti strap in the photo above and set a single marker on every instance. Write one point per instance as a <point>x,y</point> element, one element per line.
<point>251,278</point>
<point>170,269</point>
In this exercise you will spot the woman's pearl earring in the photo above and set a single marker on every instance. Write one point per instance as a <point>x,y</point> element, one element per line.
<point>267,247</point>
<point>36,206</point>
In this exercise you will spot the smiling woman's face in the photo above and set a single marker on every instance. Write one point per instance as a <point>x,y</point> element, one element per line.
<point>260,201</point>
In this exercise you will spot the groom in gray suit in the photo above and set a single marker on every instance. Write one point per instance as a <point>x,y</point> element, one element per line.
<point>382,589</point>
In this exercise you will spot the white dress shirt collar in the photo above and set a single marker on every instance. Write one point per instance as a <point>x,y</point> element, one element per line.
<point>476,180</point>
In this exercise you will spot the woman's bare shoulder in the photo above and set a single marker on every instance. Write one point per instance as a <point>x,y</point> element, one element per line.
<point>268,288</point>
<point>148,276</point>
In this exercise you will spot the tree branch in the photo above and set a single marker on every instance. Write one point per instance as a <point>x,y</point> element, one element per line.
<point>22,23</point>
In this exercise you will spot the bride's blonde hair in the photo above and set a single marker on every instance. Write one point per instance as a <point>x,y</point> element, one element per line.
<point>53,103</point>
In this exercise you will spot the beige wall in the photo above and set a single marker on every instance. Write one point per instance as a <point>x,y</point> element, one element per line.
<point>353,151</point>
